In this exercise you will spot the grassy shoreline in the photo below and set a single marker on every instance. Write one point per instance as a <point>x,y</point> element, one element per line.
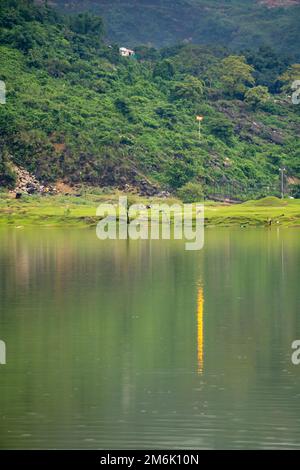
<point>59,211</point>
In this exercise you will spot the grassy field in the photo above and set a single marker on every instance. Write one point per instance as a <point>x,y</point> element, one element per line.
<point>51,211</point>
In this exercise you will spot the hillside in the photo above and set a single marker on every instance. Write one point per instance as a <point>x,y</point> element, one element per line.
<point>279,3</point>
<point>76,111</point>
<point>237,24</point>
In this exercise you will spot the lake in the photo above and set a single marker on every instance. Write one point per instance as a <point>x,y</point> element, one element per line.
<point>143,345</point>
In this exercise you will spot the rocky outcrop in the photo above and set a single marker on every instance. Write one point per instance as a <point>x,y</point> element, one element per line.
<point>248,129</point>
<point>129,179</point>
<point>27,183</point>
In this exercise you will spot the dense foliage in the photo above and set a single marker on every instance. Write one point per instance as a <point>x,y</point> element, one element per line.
<point>77,110</point>
<point>237,24</point>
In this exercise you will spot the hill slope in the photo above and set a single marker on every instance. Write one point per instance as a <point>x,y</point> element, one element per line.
<point>78,111</point>
<point>236,24</point>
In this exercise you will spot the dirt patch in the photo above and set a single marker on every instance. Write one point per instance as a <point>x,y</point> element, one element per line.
<point>64,188</point>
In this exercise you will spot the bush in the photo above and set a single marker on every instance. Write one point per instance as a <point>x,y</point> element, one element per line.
<point>221,128</point>
<point>7,175</point>
<point>190,192</point>
<point>257,96</point>
<point>295,191</point>
<point>181,170</point>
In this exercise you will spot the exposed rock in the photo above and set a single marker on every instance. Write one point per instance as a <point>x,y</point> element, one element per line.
<point>246,128</point>
<point>164,194</point>
<point>137,182</point>
<point>132,182</point>
<point>27,183</point>
<point>63,187</point>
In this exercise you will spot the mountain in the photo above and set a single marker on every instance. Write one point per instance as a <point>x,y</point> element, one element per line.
<point>79,112</point>
<point>236,24</point>
<point>279,3</point>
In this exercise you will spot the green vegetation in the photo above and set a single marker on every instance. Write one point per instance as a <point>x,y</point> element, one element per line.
<point>76,111</point>
<point>236,24</point>
<point>190,193</point>
<point>7,176</point>
<point>257,96</point>
<point>52,211</point>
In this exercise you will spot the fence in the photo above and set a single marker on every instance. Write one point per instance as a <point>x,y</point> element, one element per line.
<point>237,192</point>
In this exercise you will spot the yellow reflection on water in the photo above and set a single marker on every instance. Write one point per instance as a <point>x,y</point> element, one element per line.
<point>200,330</point>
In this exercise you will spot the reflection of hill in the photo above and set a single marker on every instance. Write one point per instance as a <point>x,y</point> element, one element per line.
<point>106,339</point>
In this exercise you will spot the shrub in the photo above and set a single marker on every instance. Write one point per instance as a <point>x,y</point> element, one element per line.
<point>222,128</point>
<point>295,191</point>
<point>190,192</point>
<point>257,96</point>
<point>7,175</point>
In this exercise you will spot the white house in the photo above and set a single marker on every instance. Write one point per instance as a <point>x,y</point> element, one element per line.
<point>124,52</point>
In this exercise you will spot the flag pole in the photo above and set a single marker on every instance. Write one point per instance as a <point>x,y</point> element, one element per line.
<point>199,119</point>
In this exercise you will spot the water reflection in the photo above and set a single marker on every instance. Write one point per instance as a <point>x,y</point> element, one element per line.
<point>143,345</point>
<point>200,330</point>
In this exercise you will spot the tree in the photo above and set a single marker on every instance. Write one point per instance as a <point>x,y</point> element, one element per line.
<point>7,175</point>
<point>181,170</point>
<point>164,69</point>
<point>289,76</point>
<point>190,192</point>
<point>236,74</point>
<point>257,95</point>
<point>267,64</point>
<point>22,37</point>
<point>146,53</point>
<point>222,128</point>
<point>190,89</point>
<point>295,191</point>
<point>124,107</point>
<point>86,23</point>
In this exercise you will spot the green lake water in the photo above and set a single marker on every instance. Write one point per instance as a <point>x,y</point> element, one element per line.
<point>143,345</point>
